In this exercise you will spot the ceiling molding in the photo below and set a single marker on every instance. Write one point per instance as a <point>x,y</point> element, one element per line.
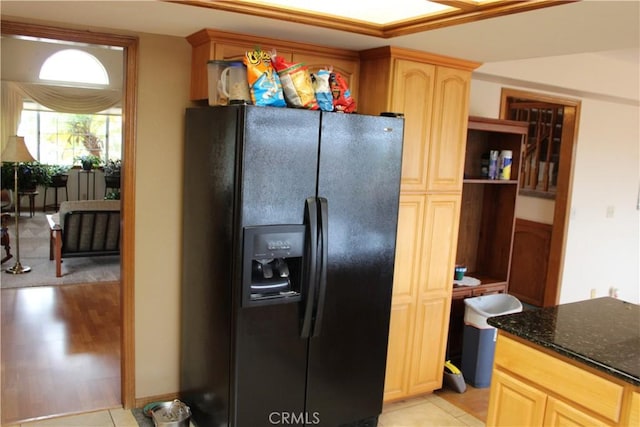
<point>467,11</point>
<point>477,13</point>
<point>280,14</point>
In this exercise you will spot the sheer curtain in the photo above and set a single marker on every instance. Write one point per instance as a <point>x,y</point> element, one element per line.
<point>64,99</point>
<point>11,110</point>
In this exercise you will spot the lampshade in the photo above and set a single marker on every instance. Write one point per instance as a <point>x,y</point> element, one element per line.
<point>16,151</point>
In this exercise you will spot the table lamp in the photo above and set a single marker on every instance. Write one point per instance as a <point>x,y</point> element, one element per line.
<point>17,152</point>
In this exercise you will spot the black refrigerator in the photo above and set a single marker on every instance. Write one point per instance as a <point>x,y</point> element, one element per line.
<point>289,235</point>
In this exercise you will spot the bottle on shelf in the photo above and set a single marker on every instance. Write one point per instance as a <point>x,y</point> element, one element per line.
<point>493,164</point>
<point>506,158</point>
<point>484,165</point>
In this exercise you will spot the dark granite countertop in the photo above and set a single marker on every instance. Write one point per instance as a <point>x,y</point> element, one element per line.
<point>603,333</point>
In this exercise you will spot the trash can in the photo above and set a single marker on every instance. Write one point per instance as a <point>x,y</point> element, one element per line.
<point>479,338</point>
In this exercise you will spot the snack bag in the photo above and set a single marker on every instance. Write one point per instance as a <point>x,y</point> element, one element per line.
<point>266,89</point>
<point>296,83</point>
<point>322,89</point>
<point>342,100</point>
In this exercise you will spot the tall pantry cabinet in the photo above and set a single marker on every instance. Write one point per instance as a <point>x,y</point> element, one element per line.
<point>432,92</point>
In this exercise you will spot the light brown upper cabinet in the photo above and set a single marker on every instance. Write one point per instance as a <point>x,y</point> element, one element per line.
<point>210,45</point>
<point>432,92</point>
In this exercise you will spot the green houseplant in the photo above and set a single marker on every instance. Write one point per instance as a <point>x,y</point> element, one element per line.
<point>113,195</point>
<point>112,167</point>
<point>59,176</point>
<point>30,175</point>
<point>112,170</point>
<point>89,161</point>
<point>55,170</point>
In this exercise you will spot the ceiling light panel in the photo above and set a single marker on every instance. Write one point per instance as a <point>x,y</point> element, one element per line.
<point>378,18</point>
<point>379,12</point>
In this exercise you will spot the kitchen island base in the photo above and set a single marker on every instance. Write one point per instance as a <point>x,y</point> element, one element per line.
<point>534,386</point>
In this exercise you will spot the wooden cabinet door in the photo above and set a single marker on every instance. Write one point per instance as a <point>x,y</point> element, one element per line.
<point>439,242</point>
<point>427,363</point>
<point>448,130</point>
<point>236,52</point>
<point>559,413</point>
<point>632,417</point>
<point>434,294</point>
<point>514,403</point>
<point>398,356</point>
<point>405,284</point>
<point>348,68</point>
<point>412,94</point>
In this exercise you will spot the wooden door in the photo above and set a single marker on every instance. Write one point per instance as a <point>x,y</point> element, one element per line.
<point>434,294</point>
<point>632,416</point>
<point>559,413</point>
<point>237,52</point>
<point>514,403</point>
<point>348,68</point>
<point>531,245</point>
<point>405,284</point>
<point>448,130</point>
<point>412,94</point>
<point>427,363</point>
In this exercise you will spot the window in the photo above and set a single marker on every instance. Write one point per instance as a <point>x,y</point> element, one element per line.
<point>73,65</point>
<point>59,138</point>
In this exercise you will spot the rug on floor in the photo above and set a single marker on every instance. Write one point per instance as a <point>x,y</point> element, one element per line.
<point>141,419</point>
<point>34,252</point>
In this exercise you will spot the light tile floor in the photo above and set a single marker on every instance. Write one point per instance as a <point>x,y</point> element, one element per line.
<point>426,411</point>
<point>423,411</point>
<point>110,418</point>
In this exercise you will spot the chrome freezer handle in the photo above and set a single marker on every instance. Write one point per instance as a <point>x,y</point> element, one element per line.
<point>324,251</point>
<point>311,256</point>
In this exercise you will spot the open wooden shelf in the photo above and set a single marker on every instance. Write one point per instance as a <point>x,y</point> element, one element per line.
<point>487,217</point>
<point>490,181</point>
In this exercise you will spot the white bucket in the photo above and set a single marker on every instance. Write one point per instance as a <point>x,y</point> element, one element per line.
<point>479,309</point>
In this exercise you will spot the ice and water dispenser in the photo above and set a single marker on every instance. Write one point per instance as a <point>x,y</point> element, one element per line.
<point>272,264</point>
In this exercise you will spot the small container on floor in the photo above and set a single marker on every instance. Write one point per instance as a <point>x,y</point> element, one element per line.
<point>453,378</point>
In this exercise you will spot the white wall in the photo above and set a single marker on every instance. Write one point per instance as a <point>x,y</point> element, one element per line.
<point>602,250</point>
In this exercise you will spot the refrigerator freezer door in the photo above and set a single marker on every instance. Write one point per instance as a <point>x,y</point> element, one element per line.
<point>359,175</point>
<point>278,165</point>
<point>278,172</point>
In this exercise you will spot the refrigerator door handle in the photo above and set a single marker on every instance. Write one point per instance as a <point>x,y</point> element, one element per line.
<point>311,253</point>
<point>324,250</point>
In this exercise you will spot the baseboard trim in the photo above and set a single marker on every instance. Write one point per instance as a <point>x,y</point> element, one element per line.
<point>142,401</point>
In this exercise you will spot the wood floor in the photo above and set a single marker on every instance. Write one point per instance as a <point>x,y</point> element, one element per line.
<point>60,350</point>
<point>60,353</point>
<point>474,401</point>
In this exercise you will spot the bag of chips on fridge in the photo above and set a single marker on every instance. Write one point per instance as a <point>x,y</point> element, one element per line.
<point>266,88</point>
<point>296,83</point>
<point>322,89</point>
<point>342,100</point>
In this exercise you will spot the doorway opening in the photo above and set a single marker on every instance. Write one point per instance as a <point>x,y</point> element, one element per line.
<point>535,278</point>
<point>129,46</point>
